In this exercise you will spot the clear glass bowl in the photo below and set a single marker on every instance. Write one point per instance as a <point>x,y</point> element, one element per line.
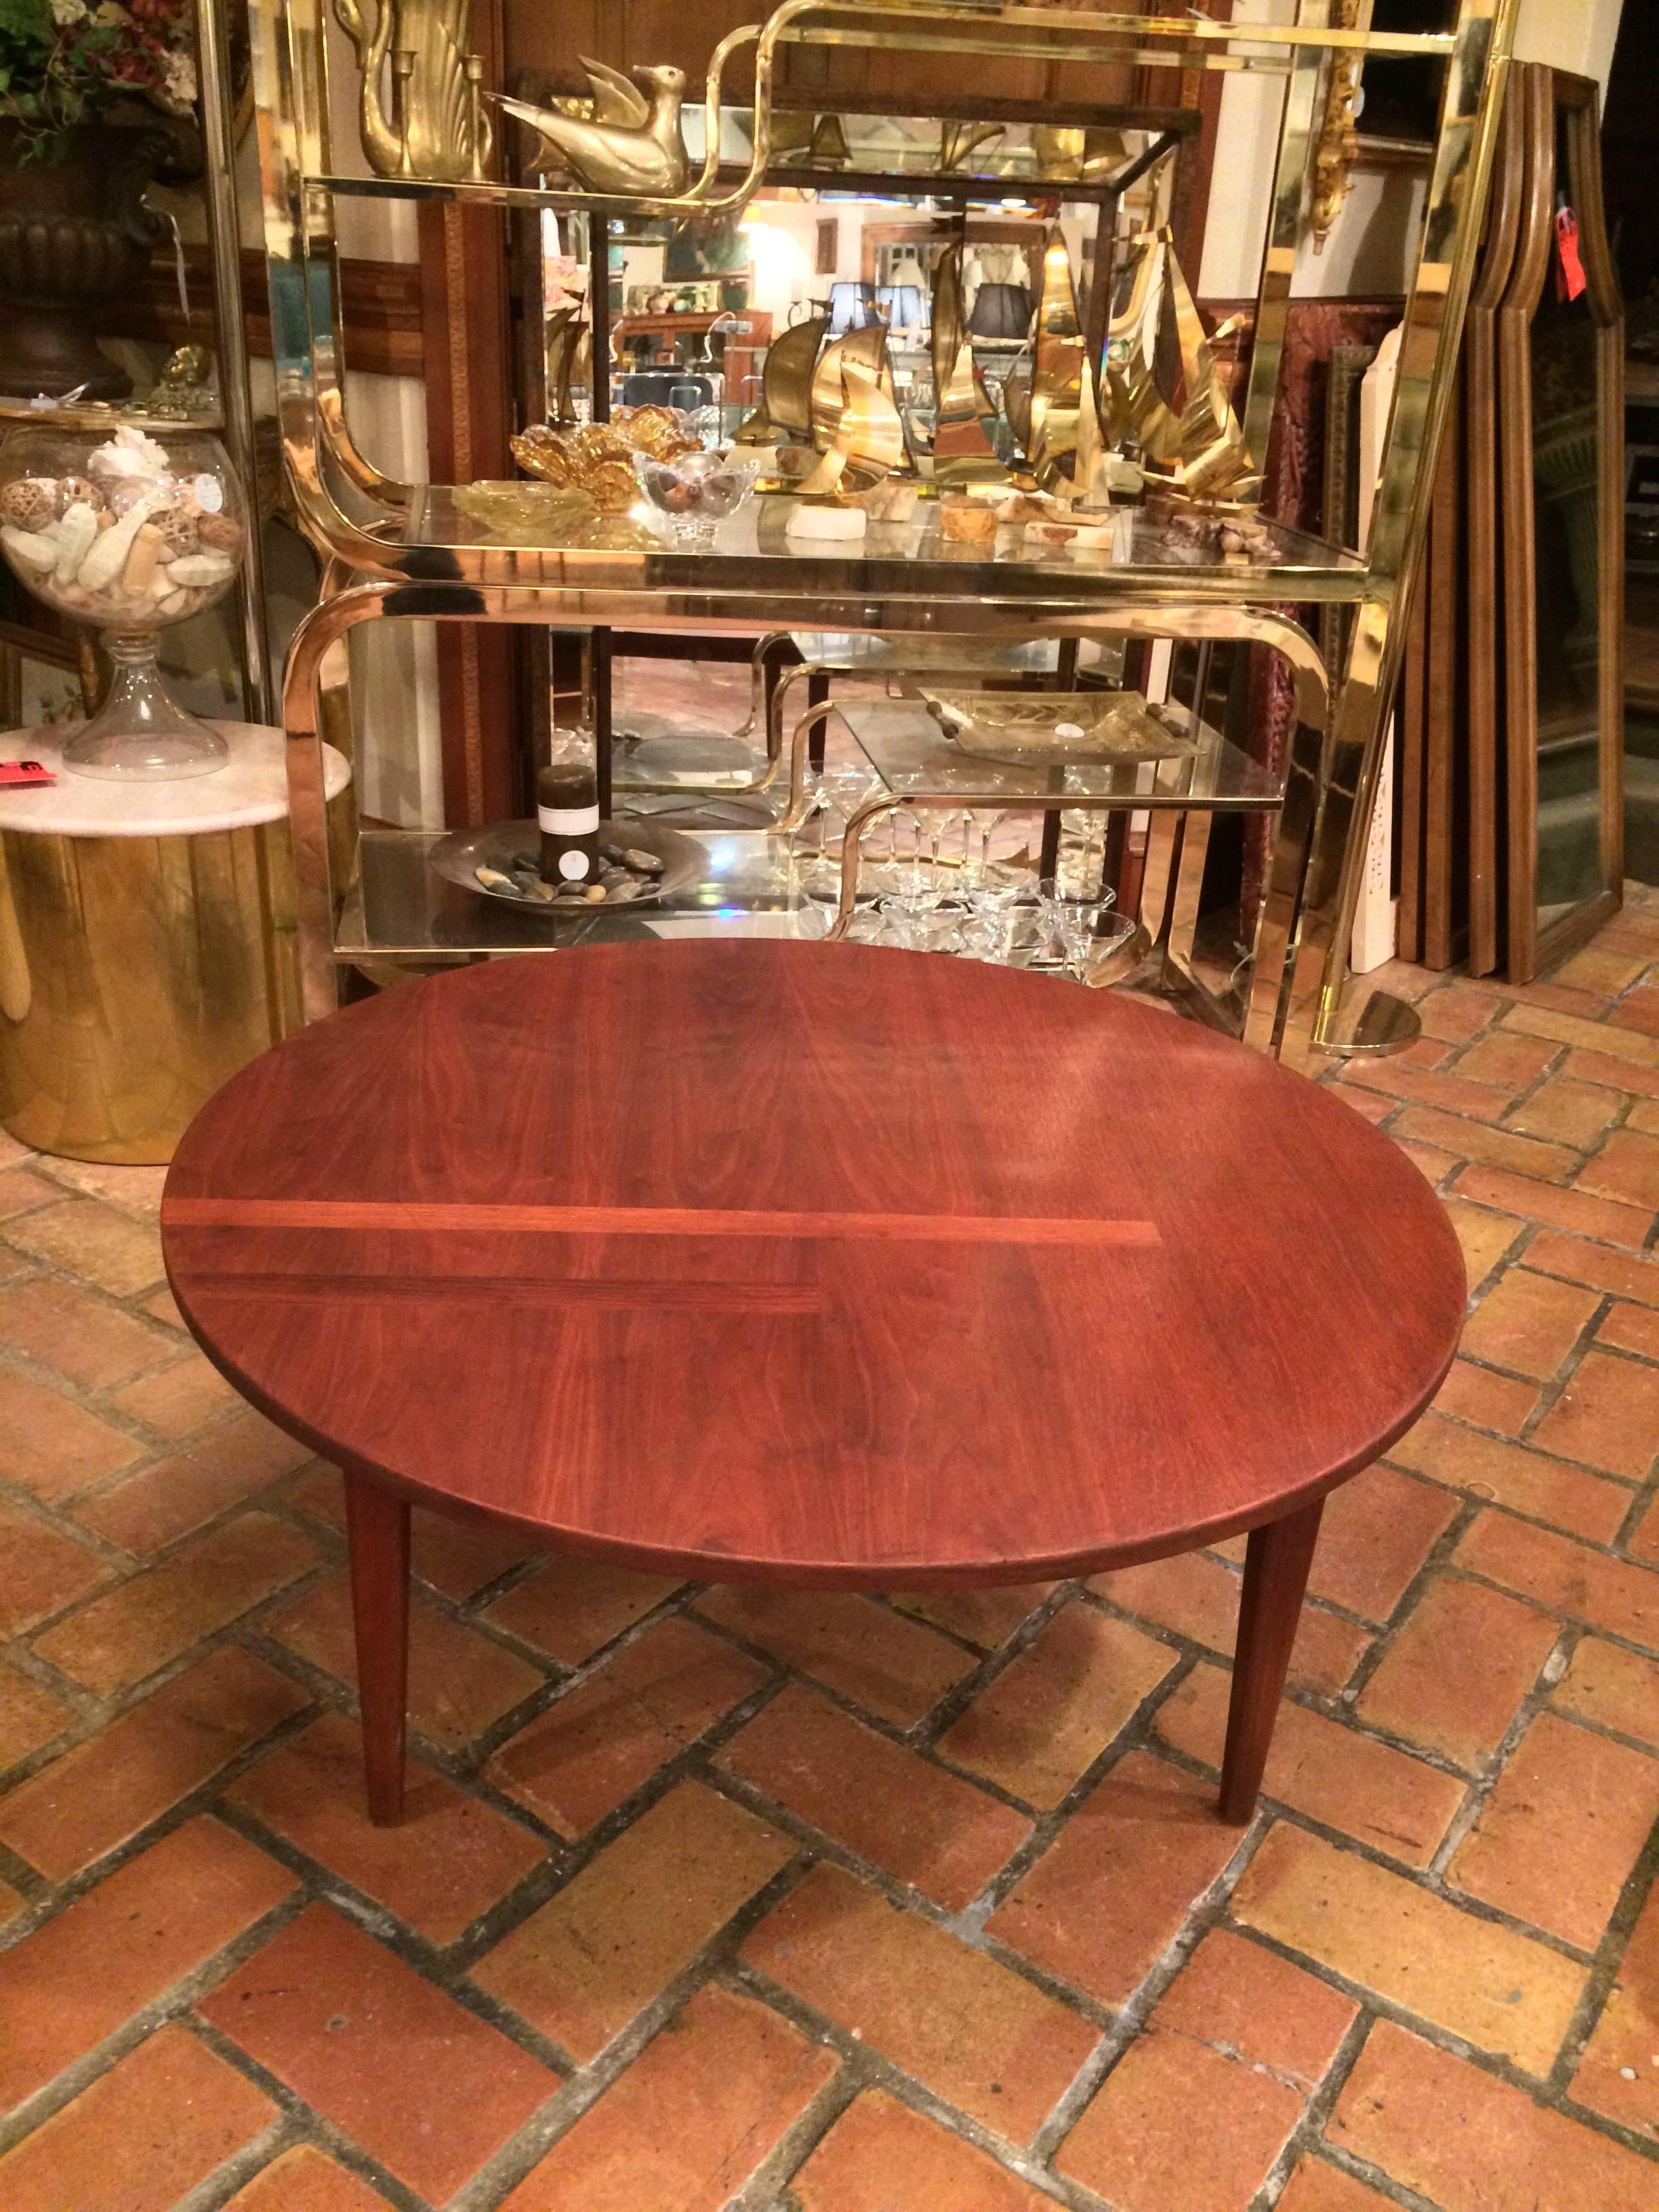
<point>129,530</point>
<point>696,491</point>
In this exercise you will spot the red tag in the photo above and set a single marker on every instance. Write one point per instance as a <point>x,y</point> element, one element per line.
<point>24,772</point>
<point>1570,270</point>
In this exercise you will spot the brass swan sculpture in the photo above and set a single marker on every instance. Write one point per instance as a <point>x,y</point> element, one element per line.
<point>435,128</point>
<point>631,144</point>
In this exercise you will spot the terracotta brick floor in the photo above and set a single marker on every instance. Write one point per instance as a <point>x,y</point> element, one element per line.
<point>800,1904</point>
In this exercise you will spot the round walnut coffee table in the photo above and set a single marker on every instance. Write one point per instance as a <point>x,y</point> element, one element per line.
<point>811,1264</point>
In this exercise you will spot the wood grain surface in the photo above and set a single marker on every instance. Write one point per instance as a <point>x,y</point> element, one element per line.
<point>811,1264</point>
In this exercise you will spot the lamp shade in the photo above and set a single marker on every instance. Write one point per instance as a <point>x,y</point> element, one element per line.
<point>851,306</point>
<point>902,305</point>
<point>1001,311</point>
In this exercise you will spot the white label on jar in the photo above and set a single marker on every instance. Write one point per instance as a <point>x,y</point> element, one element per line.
<point>568,821</point>
<point>210,493</point>
<point>572,866</point>
<point>1068,729</point>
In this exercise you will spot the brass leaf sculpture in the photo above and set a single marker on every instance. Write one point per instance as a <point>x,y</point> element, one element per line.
<point>598,459</point>
<point>438,131</point>
<point>631,144</point>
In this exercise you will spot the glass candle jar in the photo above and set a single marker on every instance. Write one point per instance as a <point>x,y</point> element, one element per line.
<point>131,533</point>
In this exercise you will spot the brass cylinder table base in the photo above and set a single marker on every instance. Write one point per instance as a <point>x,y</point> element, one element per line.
<point>147,943</point>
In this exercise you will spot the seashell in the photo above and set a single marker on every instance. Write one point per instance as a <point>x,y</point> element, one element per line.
<point>33,550</point>
<point>201,568</point>
<point>128,453</point>
<point>30,503</point>
<point>180,530</point>
<point>138,572</point>
<point>173,603</point>
<point>75,532</point>
<point>120,493</point>
<point>219,533</point>
<point>110,548</point>
<point>210,493</point>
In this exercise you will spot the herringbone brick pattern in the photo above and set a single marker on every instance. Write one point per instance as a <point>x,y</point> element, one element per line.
<point>806,1904</point>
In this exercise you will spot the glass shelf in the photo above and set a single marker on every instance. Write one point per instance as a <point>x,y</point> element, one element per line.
<point>748,885</point>
<point>752,551</point>
<point>401,906</point>
<point>913,756</point>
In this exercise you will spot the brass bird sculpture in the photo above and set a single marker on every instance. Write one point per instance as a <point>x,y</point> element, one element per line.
<point>631,144</point>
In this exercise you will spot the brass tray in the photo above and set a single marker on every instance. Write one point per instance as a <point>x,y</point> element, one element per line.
<point>458,857</point>
<point>1035,728</point>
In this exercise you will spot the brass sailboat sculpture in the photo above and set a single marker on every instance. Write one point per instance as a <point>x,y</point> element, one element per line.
<point>856,424</point>
<point>866,441</point>
<point>785,405</point>
<point>864,349</point>
<point>569,361</point>
<point>1062,436</point>
<point>1190,437</point>
<point>963,451</point>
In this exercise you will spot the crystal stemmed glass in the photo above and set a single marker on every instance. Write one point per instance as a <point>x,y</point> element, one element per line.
<point>1084,929</point>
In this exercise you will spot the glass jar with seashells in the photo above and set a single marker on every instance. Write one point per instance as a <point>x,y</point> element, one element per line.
<point>130,530</point>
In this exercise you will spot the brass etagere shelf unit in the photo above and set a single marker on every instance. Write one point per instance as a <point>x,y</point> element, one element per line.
<point>404,551</point>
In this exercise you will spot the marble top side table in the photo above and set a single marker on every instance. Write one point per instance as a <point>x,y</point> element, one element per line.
<point>147,943</point>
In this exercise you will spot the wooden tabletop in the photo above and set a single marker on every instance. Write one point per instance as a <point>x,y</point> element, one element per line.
<point>813,1264</point>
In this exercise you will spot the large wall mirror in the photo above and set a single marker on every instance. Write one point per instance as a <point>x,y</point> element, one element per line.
<point>1561,345</point>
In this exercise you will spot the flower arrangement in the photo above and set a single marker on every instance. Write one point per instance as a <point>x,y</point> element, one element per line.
<point>65,62</point>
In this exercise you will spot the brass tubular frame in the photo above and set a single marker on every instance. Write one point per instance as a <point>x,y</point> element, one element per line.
<point>1471,107</point>
<point>230,342</point>
<point>1295,999</point>
<point>973,678</point>
<point>1287,215</point>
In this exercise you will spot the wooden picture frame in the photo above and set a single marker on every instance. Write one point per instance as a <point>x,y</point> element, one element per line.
<point>1559,106</point>
<point>26,656</point>
<point>1484,699</point>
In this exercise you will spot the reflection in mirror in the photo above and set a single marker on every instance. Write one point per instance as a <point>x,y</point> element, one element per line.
<point>1560,435</point>
<point>1566,573</point>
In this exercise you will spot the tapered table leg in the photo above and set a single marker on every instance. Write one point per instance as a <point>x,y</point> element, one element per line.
<point>1275,1576</point>
<point>377,1522</point>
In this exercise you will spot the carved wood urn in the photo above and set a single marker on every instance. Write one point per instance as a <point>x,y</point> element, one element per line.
<point>74,234</point>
